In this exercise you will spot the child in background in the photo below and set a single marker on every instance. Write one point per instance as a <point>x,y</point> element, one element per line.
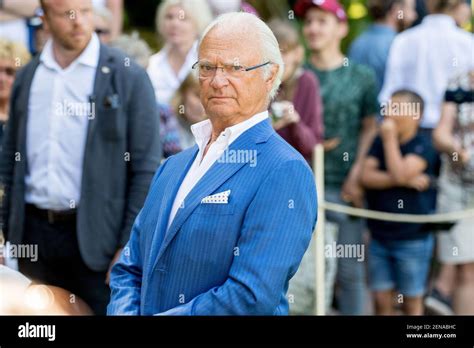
<point>396,174</point>
<point>349,94</point>
<point>186,105</point>
<point>298,108</point>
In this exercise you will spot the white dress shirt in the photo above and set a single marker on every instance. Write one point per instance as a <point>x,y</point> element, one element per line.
<point>58,115</point>
<point>202,133</point>
<point>424,58</point>
<point>164,79</point>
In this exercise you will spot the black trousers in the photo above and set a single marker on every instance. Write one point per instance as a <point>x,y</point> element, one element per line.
<point>59,262</point>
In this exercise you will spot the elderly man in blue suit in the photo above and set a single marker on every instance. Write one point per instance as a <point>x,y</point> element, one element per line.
<point>226,223</point>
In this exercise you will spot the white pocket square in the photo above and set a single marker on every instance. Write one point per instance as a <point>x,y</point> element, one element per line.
<point>217,198</point>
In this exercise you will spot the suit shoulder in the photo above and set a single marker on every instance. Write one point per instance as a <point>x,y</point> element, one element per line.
<point>180,156</point>
<point>32,64</point>
<point>280,152</point>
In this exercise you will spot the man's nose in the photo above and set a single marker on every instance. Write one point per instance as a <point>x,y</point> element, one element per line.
<point>77,17</point>
<point>219,79</point>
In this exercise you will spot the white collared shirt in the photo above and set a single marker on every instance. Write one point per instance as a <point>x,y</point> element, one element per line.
<point>424,58</point>
<point>202,133</point>
<point>58,115</point>
<point>164,79</point>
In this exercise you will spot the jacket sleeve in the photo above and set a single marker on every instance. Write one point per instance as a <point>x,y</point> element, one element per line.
<point>7,158</point>
<point>275,234</point>
<point>126,274</point>
<point>144,146</point>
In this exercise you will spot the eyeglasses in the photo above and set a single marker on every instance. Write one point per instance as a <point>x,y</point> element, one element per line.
<point>8,71</point>
<point>206,70</point>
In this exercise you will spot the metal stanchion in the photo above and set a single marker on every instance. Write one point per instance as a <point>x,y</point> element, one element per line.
<point>318,163</point>
<point>318,245</point>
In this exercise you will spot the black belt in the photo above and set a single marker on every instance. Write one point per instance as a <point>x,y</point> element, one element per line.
<point>53,216</point>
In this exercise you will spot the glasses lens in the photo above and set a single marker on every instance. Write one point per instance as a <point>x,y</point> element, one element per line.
<point>233,70</point>
<point>206,70</point>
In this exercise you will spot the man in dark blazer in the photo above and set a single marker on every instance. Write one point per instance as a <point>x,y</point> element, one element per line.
<point>80,150</point>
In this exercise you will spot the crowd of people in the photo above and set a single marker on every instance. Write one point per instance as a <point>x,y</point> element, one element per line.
<point>395,116</point>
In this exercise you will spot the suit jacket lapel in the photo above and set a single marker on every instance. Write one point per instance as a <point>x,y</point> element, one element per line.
<point>219,173</point>
<point>169,195</point>
<point>103,75</point>
<point>23,103</point>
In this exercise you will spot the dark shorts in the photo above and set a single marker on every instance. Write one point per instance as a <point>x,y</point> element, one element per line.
<point>401,265</point>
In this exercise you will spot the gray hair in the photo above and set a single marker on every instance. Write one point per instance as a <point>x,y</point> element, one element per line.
<point>104,13</point>
<point>198,10</point>
<point>133,47</point>
<point>270,50</point>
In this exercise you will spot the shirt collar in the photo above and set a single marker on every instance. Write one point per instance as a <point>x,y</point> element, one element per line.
<point>88,57</point>
<point>202,130</point>
<point>192,52</point>
<point>439,19</point>
<point>191,57</point>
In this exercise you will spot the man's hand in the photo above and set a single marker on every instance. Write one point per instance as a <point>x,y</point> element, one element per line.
<point>420,182</point>
<point>352,190</point>
<point>463,157</point>
<point>388,128</point>
<point>290,116</point>
<point>331,144</point>
<point>114,260</point>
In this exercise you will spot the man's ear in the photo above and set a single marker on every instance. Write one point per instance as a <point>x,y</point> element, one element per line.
<point>343,29</point>
<point>44,19</point>
<point>273,75</point>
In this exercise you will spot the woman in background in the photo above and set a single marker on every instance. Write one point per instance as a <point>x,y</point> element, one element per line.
<point>454,137</point>
<point>13,56</point>
<point>115,9</point>
<point>179,23</point>
<point>138,50</point>
<point>186,105</point>
<point>297,110</point>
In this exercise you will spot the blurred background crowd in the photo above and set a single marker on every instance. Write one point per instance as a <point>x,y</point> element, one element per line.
<point>386,86</point>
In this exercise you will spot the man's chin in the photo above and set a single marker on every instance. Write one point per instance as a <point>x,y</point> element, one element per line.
<point>78,43</point>
<point>221,110</point>
<point>220,113</point>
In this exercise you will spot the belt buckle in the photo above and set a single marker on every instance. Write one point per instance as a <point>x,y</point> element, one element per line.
<point>50,216</point>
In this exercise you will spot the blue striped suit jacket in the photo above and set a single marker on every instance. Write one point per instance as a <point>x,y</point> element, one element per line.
<point>220,259</point>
